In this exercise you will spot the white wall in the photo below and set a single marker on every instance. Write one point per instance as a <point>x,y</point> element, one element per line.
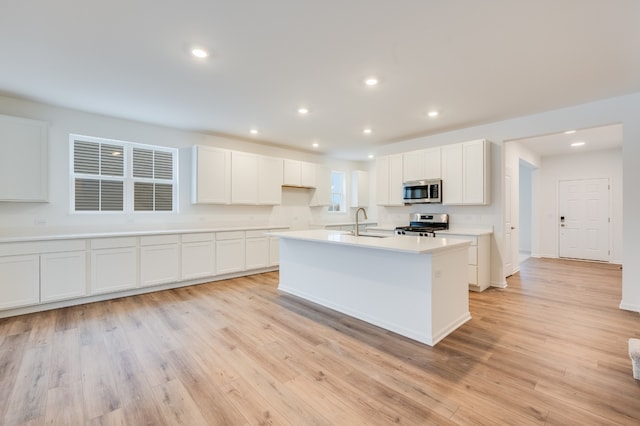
<point>55,216</point>
<point>526,207</point>
<point>622,110</point>
<point>588,165</point>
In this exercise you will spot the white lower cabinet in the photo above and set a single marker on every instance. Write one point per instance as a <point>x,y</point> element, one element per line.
<point>114,264</point>
<point>198,255</point>
<point>19,281</point>
<point>63,275</point>
<point>478,260</point>
<point>159,259</point>
<point>230,252</point>
<point>256,250</point>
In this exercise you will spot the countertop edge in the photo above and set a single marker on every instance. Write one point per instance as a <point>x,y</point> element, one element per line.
<point>112,234</point>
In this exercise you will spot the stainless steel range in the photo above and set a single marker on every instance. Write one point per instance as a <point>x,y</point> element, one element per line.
<point>424,224</point>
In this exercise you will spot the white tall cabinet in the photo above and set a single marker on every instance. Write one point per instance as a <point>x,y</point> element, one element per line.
<point>322,194</point>
<point>389,180</point>
<point>465,173</point>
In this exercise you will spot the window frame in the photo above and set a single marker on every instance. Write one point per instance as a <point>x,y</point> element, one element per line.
<point>128,179</point>
<point>343,194</point>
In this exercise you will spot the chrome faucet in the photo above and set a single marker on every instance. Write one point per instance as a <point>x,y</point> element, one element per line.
<point>357,232</point>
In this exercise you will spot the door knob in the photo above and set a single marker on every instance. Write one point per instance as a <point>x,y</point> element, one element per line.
<point>513,227</point>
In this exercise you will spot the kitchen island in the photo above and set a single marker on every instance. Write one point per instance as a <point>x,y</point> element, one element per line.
<point>413,286</point>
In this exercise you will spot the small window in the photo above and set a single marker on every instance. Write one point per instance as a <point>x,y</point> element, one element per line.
<point>115,176</point>
<point>338,192</point>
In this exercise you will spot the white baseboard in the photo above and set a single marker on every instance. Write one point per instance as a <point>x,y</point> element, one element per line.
<point>629,307</point>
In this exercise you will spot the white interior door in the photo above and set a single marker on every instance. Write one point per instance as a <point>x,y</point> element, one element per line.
<point>508,223</point>
<point>583,208</point>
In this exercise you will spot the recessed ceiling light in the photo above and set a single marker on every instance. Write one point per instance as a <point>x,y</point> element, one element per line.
<point>303,111</point>
<point>367,131</point>
<point>254,131</point>
<point>577,144</point>
<point>371,81</point>
<point>433,113</point>
<point>370,156</point>
<point>315,144</point>
<point>199,52</point>
<point>568,132</point>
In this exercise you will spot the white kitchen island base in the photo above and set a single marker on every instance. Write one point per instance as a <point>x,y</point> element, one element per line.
<point>418,292</point>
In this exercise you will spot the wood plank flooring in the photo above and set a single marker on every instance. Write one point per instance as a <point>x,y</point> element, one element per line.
<point>549,349</point>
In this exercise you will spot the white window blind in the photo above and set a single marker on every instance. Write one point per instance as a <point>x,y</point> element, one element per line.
<point>115,176</point>
<point>152,176</point>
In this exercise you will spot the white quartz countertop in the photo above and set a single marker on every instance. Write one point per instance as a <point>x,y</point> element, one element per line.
<point>415,245</point>
<point>348,223</point>
<point>476,232</point>
<point>38,235</point>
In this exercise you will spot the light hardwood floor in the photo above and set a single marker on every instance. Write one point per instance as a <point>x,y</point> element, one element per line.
<point>549,349</point>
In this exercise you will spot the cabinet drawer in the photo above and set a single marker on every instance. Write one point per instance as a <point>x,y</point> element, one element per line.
<point>229,235</point>
<point>32,247</point>
<point>256,233</point>
<point>117,242</point>
<point>153,240</point>
<point>198,237</point>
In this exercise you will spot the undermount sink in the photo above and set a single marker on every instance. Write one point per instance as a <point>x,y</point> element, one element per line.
<point>368,235</point>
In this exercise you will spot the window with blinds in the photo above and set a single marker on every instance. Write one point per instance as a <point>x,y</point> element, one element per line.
<point>115,176</point>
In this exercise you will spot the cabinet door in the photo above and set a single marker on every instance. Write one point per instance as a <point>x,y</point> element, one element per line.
<point>269,181</point>
<point>257,252</point>
<point>211,176</point>
<point>159,264</point>
<point>244,178</point>
<point>230,256</point>
<point>395,180</point>
<point>291,173</point>
<point>382,181</point>
<point>452,181</point>
<point>19,281</point>
<point>308,174</point>
<point>24,159</point>
<point>198,259</point>
<point>474,170</point>
<point>413,165</point>
<point>432,161</point>
<point>322,194</point>
<point>113,269</point>
<point>63,275</point>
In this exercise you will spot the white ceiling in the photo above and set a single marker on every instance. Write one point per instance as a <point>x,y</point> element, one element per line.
<point>595,139</point>
<point>474,61</point>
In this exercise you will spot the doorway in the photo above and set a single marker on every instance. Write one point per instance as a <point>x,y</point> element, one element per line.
<point>583,214</point>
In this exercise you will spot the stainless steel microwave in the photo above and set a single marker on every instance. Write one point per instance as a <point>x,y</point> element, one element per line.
<point>422,191</point>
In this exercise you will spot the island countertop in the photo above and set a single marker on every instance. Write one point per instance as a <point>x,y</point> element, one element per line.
<point>405,244</point>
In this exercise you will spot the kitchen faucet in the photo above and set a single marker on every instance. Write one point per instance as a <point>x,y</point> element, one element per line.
<point>357,233</point>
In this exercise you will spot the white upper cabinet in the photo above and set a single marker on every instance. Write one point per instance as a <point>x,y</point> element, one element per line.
<point>322,194</point>
<point>24,160</point>
<point>421,164</point>
<point>389,180</point>
<point>299,173</point>
<point>255,179</point>
<point>211,175</point>
<point>465,173</point>
<point>244,178</point>
<point>359,188</point>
